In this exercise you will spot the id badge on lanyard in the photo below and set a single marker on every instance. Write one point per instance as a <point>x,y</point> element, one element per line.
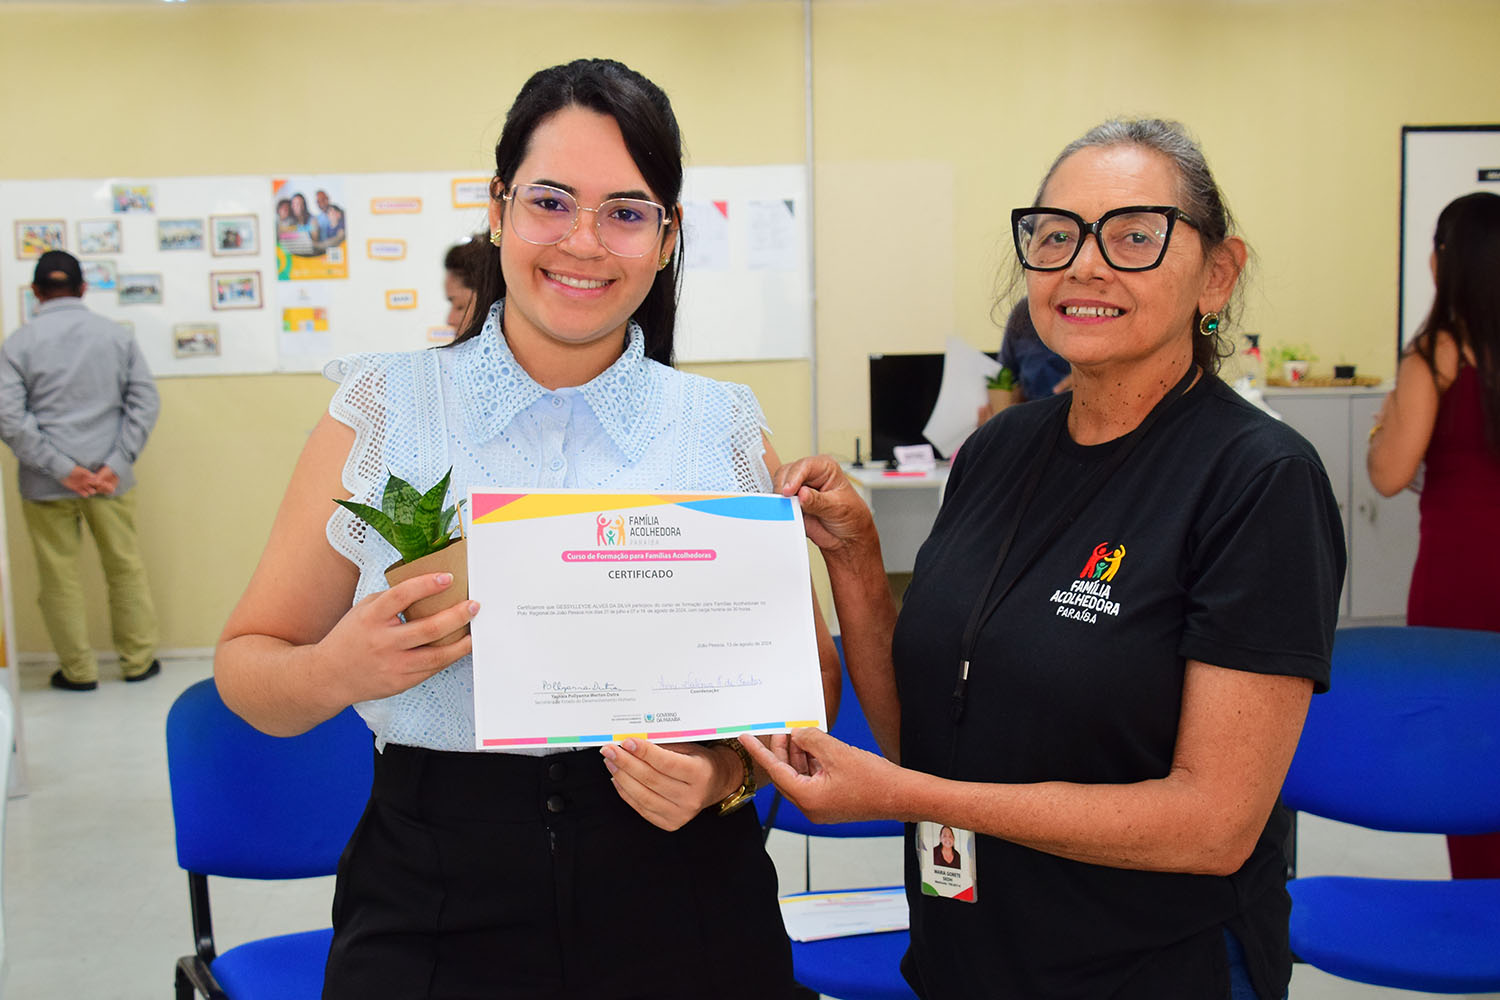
<point>946,861</point>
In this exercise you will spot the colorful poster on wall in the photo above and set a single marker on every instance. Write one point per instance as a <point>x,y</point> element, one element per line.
<point>306,334</point>
<point>311,238</point>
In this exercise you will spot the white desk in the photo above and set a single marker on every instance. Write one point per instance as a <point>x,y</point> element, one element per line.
<point>904,507</point>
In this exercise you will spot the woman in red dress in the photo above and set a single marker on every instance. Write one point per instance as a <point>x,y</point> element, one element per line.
<point>1445,410</point>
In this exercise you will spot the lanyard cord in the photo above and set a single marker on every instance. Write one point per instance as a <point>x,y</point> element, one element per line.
<point>986,605</point>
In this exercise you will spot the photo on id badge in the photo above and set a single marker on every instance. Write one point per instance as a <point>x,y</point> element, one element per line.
<point>945,857</point>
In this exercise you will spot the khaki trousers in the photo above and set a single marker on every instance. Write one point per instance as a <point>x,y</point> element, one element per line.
<point>56,534</point>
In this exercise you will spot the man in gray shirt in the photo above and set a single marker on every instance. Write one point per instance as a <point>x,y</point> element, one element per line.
<point>76,404</point>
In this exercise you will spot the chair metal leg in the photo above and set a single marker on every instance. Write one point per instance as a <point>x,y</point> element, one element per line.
<point>184,985</point>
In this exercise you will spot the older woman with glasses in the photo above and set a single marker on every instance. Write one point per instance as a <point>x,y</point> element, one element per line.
<point>1102,665</point>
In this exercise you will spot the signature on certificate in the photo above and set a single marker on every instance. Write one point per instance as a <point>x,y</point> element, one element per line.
<point>739,680</point>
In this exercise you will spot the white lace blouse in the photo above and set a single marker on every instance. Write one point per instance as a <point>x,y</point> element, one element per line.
<point>638,426</point>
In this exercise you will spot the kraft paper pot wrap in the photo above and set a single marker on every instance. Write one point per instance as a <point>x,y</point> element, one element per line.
<point>453,559</point>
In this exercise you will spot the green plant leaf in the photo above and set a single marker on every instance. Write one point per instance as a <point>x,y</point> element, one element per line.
<point>412,541</point>
<point>1004,379</point>
<point>414,523</point>
<point>428,515</point>
<point>400,500</point>
<point>376,519</point>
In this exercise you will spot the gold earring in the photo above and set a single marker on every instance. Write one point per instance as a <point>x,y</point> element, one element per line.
<point>1209,324</point>
<point>495,237</point>
<point>666,259</point>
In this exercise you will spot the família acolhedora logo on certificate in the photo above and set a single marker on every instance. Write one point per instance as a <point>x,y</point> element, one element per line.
<point>680,616</point>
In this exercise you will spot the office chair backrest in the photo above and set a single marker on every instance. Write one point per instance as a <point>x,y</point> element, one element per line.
<point>1408,736</point>
<point>248,805</point>
<point>851,727</point>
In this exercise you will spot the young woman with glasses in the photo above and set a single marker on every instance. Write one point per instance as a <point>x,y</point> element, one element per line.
<point>589,874</point>
<point>1444,415</point>
<point>1110,639</point>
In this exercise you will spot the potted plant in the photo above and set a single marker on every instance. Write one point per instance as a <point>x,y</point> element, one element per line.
<point>420,528</point>
<point>1294,360</point>
<point>1001,387</point>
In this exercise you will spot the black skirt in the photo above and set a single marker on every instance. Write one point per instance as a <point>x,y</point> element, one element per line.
<point>502,877</point>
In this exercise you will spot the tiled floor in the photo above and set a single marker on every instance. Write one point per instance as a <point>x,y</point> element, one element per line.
<point>95,905</point>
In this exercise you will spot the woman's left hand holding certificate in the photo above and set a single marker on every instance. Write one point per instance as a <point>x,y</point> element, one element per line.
<point>669,785</point>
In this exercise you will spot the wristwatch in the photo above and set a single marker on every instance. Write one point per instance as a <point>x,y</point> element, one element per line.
<point>746,791</point>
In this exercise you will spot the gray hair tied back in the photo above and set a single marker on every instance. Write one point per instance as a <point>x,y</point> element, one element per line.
<point>1198,195</point>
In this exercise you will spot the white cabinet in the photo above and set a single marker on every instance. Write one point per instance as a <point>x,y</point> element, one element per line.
<point>1380,532</point>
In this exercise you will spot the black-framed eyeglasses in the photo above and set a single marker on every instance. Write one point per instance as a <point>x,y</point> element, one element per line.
<point>1133,238</point>
<point>543,215</point>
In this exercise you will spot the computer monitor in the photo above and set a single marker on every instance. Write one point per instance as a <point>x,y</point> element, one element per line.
<point>903,390</point>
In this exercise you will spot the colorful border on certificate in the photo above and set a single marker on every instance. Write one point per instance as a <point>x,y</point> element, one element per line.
<point>497,507</point>
<point>660,734</point>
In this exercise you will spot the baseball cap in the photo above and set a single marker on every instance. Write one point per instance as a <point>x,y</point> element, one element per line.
<point>58,269</point>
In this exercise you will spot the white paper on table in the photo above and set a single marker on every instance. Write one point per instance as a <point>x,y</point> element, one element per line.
<point>816,916</point>
<point>914,457</point>
<point>960,395</point>
<point>681,616</point>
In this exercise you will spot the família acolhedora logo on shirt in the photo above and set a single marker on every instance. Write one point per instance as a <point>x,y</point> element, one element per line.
<point>1088,597</point>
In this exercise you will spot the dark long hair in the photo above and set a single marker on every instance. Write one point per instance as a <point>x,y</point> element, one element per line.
<point>1467,304</point>
<point>1198,195</point>
<point>651,137</point>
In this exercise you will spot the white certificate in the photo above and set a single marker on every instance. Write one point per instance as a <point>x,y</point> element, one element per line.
<point>683,616</point>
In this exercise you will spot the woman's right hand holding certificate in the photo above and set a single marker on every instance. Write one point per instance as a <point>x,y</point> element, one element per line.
<point>836,517</point>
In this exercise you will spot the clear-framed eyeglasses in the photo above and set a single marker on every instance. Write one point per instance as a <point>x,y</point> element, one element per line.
<point>544,215</point>
<point>1133,238</point>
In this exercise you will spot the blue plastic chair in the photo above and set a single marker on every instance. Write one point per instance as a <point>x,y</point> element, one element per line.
<point>866,966</point>
<point>248,805</point>
<point>1408,740</point>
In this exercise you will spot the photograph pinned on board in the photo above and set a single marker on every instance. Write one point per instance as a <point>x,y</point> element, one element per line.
<point>234,289</point>
<point>35,237</point>
<point>99,236</point>
<point>139,288</point>
<point>179,234</point>
<point>234,235</point>
<point>195,340</point>
<point>27,298</point>
<point>310,228</point>
<point>99,275</point>
<point>125,198</point>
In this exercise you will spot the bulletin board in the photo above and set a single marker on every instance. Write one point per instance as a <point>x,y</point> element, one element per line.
<point>215,278</point>
<point>1438,163</point>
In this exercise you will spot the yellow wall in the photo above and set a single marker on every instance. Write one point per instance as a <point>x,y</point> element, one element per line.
<point>932,119</point>
<point>156,90</point>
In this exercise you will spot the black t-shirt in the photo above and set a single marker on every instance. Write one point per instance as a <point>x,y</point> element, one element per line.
<point>1218,540</point>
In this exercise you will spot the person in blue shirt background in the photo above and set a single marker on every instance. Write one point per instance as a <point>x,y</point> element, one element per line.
<point>1038,371</point>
